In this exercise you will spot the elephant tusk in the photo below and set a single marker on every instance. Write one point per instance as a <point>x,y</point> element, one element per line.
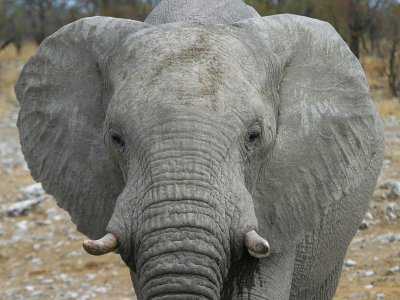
<point>256,245</point>
<point>106,244</point>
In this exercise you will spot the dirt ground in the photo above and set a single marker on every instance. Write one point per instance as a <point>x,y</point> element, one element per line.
<point>41,256</point>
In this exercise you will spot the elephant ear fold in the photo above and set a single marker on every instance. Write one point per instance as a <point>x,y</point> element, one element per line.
<point>63,92</point>
<point>329,141</point>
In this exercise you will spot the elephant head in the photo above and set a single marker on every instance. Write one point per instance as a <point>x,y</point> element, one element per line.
<point>180,142</point>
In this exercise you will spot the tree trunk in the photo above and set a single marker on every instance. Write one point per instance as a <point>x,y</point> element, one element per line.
<point>393,76</point>
<point>355,44</point>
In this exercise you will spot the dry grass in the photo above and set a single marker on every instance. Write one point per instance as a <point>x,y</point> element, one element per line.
<point>9,75</point>
<point>10,61</point>
<point>389,107</point>
<point>11,64</point>
<point>375,69</point>
<point>10,52</point>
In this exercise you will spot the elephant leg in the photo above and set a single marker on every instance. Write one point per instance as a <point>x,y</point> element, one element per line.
<point>265,278</point>
<point>319,258</point>
<point>326,290</point>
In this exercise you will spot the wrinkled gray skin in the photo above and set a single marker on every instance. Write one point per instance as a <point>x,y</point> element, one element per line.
<point>180,134</point>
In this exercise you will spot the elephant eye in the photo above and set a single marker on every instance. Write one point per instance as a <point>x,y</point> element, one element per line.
<point>253,136</point>
<point>118,142</point>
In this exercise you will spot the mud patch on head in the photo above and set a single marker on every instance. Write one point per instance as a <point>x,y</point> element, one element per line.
<point>206,60</point>
<point>198,51</point>
<point>212,81</point>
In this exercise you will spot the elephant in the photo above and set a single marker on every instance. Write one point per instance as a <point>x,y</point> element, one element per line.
<point>222,154</point>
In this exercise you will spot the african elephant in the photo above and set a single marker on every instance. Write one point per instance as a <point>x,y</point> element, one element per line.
<point>182,140</point>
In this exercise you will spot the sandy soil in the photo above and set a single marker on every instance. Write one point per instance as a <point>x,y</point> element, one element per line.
<point>41,254</point>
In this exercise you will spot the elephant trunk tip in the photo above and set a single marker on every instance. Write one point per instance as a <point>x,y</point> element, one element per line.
<point>106,244</point>
<point>256,245</point>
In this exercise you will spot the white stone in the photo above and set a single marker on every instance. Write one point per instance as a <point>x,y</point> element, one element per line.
<point>365,273</point>
<point>101,290</point>
<point>368,286</point>
<point>23,207</point>
<point>393,185</point>
<point>90,277</point>
<point>368,216</point>
<point>393,270</point>
<point>350,263</point>
<point>34,190</point>
<point>72,295</point>
<point>30,288</point>
<point>47,281</point>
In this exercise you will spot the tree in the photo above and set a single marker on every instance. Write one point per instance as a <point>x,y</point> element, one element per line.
<point>36,19</point>
<point>9,33</point>
<point>263,7</point>
<point>299,7</point>
<point>351,18</point>
<point>392,31</point>
<point>130,9</point>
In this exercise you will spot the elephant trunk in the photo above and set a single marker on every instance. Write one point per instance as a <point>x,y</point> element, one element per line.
<point>182,249</point>
<point>178,267</point>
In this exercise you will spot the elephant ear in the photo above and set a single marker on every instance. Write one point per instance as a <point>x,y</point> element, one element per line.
<point>63,91</point>
<point>329,141</point>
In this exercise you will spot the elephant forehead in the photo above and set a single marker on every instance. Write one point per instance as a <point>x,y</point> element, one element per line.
<point>203,65</point>
<point>183,42</point>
